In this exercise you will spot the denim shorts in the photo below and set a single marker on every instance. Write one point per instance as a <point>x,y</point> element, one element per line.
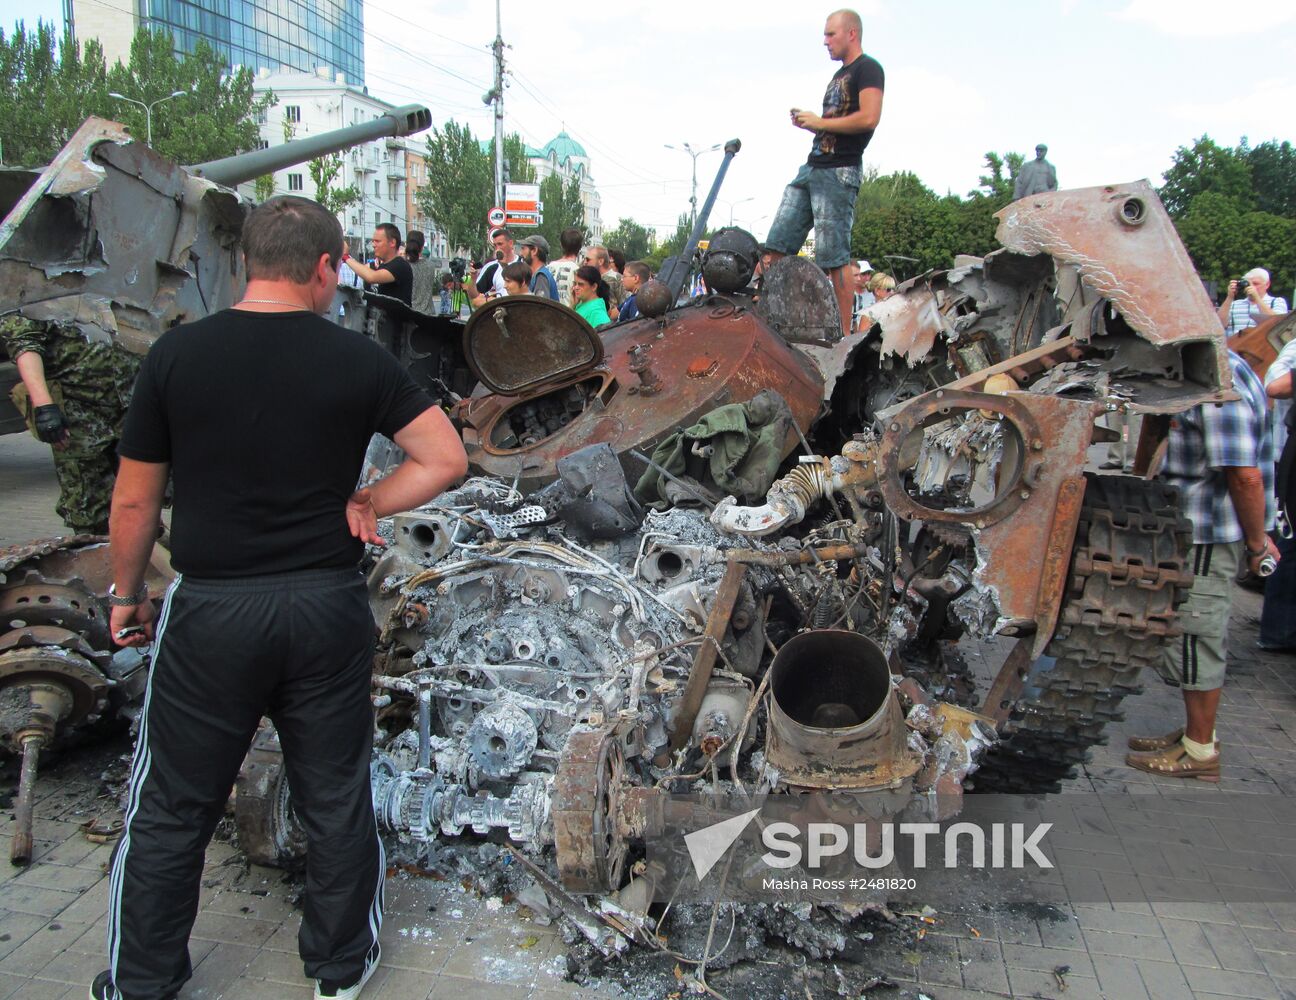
<point>822,198</point>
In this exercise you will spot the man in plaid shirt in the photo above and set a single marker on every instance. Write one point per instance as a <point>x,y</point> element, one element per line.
<point>1220,456</point>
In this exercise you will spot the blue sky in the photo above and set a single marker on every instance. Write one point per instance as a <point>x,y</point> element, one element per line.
<point>1112,86</point>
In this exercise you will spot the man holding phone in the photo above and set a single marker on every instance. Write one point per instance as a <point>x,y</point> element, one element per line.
<point>823,192</point>
<point>269,614</point>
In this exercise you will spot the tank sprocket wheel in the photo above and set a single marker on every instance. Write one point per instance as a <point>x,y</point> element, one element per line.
<point>1129,572</point>
<point>269,831</point>
<point>591,854</point>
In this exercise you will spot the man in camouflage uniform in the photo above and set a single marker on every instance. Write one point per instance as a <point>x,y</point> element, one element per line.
<point>94,379</point>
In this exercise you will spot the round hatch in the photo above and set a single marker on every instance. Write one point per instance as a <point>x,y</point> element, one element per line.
<point>520,342</point>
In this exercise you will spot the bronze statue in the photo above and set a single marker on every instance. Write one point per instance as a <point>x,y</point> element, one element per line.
<point>1035,177</point>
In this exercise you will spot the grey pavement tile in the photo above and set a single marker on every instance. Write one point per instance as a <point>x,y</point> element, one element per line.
<point>277,967</point>
<point>1189,943</point>
<point>419,948</point>
<point>1061,934</point>
<point>1110,919</point>
<point>1231,984</point>
<point>37,901</point>
<point>1263,939</point>
<point>41,948</point>
<point>74,967</point>
<point>400,984</point>
<point>983,965</point>
<point>233,902</point>
<point>453,988</point>
<point>1233,949</point>
<point>219,969</point>
<point>224,929</point>
<point>64,878</point>
<point>1047,959</point>
<point>1163,980</point>
<point>1033,983</point>
<point>1206,913</point>
<point>254,989</point>
<point>15,928</point>
<point>1119,977</point>
<point>1127,946</point>
<point>1278,964</point>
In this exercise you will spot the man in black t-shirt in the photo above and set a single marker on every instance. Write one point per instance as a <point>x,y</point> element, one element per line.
<point>823,192</point>
<point>260,415</point>
<point>391,273</point>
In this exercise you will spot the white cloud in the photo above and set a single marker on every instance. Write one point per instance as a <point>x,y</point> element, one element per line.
<point>1208,18</point>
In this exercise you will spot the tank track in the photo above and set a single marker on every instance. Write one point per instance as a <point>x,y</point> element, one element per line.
<point>1129,572</point>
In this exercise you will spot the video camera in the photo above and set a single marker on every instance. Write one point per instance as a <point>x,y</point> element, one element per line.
<point>459,267</point>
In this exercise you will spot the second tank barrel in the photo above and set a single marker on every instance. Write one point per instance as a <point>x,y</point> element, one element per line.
<point>406,120</point>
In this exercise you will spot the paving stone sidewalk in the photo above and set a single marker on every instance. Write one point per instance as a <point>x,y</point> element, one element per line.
<point>52,914</point>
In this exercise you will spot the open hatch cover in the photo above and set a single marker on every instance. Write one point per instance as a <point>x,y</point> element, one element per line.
<point>518,343</point>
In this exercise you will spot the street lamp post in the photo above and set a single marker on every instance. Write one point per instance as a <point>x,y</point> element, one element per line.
<point>733,204</point>
<point>148,109</point>
<point>694,153</point>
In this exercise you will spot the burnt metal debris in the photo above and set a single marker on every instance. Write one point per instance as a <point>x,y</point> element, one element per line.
<point>554,660</point>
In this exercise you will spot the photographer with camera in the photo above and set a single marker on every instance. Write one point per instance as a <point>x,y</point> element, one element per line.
<point>1248,303</point>
<point>489,283</point>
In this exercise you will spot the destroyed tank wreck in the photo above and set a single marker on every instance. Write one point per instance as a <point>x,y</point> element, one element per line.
<point>555,660</point>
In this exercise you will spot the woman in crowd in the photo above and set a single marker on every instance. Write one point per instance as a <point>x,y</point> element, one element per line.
<point>882,286</point>
<point>590,295</point>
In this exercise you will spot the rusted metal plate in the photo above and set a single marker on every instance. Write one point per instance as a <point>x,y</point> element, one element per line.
<point>798,301</point>
<point>1009,682</point>
<point>700,676</point>
<point>707,354</point>
<point>1126,249</point>
<point>909,322</point>
<point>1057,559</point>
<point>1012,551</point>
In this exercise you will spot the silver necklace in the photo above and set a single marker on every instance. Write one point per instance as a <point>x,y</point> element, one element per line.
<point>273,302</point>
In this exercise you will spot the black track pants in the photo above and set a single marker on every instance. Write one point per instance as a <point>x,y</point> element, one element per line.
<point>297,647</point>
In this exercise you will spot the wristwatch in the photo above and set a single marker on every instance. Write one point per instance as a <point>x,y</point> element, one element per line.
<point>117,600</point>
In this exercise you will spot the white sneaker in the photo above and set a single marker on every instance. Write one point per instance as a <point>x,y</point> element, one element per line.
<point>328,989</point>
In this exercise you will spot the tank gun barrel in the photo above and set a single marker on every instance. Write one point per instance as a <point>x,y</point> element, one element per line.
<point>675,280</point>
<point>232,170</point>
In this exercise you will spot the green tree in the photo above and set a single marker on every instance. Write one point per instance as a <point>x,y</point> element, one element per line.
<point>1224,242</point>
<point>563,209</point>
<point>264,187</point>
<point>324,171</point>
<point>459,188</point>
<point>997,185</point>
<point>48,88</point>
<point>1273,175</point>
<point>1207,167</point>
<point>218,115</point>
<point>632,239</point>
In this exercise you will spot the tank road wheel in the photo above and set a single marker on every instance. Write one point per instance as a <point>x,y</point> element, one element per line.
<point>268,829</point>
<point>1129,572</point>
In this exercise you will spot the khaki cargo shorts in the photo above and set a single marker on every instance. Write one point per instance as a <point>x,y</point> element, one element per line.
<point>1195,660</point>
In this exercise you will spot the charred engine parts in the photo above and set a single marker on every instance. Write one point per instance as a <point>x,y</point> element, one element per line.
<point>58,671</point>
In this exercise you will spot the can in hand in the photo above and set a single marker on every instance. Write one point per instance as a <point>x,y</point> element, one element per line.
<point>1267,566</point>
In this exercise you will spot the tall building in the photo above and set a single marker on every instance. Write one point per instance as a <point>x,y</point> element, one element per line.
<point>313,103</point>
<point>305,36</point>
<point>564,156</point>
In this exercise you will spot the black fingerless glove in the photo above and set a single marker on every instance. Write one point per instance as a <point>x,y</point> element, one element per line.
<point>50,425</point>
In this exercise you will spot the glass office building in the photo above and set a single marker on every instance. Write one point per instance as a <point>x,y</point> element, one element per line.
<point>302,35</point>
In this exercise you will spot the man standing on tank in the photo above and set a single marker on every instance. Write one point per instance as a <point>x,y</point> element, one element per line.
<point>822,195</point>
<point>268,614</point>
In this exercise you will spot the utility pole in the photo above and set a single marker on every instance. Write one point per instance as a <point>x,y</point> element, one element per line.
<point>498,94</point>
<point>694,154</point>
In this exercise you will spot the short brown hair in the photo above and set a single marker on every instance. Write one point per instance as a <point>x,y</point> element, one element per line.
<point>284,237</point>
<point>517,271</point>
<point>571,239</point>
<point>599,255</point>
<point>639,269</point>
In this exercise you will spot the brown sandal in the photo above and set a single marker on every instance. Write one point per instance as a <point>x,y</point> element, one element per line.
<point>1176,762</point>
<point>1147,744</point>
